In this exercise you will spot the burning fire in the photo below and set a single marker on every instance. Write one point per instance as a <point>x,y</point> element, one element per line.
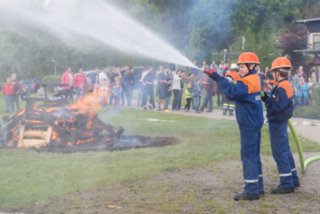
<point>90,102</point>
<point>55,123</point>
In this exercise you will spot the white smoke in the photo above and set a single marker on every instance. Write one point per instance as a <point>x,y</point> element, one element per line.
<point>91,19</point>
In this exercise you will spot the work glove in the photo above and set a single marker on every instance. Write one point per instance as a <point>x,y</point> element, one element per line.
<point>264,96</point>
<point>212,73</point>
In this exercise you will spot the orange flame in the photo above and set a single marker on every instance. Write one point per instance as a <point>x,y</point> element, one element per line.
<point>88,102</point>
<point>54,135</point>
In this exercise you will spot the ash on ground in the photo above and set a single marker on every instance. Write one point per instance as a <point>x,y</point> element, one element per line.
<point>125,142</point>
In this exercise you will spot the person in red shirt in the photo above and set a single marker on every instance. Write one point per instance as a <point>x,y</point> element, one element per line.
<point>8,94</point>
<point>67,83</point>
<point>80,83</point>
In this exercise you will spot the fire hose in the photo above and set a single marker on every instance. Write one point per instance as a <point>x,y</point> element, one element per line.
<point>303,163</point>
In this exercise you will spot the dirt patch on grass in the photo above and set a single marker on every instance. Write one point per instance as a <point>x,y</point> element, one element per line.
<point>195,190</point>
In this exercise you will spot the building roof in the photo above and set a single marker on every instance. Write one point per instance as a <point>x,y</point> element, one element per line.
<point>312,51</point>
<point>308,20</point>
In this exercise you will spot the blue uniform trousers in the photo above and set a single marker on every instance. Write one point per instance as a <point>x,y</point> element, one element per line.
<point>250,157</point>
<point>282,154</point>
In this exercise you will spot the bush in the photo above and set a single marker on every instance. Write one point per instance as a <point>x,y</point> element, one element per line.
<point>51,79</point>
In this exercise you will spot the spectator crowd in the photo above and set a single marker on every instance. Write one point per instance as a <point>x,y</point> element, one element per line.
<point>161,88</point>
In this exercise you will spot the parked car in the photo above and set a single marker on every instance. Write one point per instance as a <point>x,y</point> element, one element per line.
<point>30,85</point>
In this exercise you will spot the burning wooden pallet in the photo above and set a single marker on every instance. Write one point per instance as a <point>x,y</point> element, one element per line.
<point>34,138</point>
<point>45,122</point>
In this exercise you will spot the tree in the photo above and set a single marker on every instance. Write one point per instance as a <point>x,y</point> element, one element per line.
<point>294,38</point>
<point>210,27</point>
<point>260,21</point>
<point>311,9</point>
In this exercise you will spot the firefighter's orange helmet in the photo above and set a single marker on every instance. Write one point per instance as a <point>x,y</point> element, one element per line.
<point>248,58</point>
<point>281,62</point>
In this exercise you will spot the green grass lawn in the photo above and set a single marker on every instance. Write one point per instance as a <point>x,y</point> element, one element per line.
<point>29,177</point>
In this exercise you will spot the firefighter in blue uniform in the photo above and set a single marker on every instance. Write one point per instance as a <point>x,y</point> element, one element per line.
<point>280,107</point>
<point>249,114</point>
<point>229,105</point>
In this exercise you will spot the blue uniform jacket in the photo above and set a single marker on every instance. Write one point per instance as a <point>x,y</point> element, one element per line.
<point>280,103</point>
<point>246,93</point>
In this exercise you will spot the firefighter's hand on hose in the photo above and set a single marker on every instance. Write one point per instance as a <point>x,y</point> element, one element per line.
<point>264,96</point>
<point>212,73</point>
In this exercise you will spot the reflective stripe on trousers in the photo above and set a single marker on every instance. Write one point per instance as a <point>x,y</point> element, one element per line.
<point>281,152</point>
<point>250,157</point>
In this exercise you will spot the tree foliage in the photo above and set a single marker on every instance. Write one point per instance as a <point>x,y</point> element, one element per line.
<point>261,21</point>
<point>294,38</point>
<point>311,9</point>
<point>210,27</point>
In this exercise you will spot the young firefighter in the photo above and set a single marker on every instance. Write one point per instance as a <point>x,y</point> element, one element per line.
<point>279,109</point>
<point>246,93</point>
<point>229,105</point>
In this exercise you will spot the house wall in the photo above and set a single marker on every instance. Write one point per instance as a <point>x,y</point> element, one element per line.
<point>313,27</point>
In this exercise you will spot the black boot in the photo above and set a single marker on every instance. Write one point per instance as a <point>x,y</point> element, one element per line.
<point>282,190</point>
<point>245,196</point>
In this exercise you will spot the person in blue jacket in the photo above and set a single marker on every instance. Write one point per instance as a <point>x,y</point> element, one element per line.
<point>279,105</point>
<point>249,114</point>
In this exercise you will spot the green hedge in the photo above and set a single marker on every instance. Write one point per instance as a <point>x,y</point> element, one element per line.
<point>51,79</point>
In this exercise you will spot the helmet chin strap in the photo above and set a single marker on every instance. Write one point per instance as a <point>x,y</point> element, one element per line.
<point>248,66</point>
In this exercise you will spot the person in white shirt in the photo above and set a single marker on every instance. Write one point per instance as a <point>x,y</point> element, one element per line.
<point>176,87</point>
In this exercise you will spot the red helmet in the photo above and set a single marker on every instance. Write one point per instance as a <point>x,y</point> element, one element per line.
<point>281,62</point>
<point>248,58</point>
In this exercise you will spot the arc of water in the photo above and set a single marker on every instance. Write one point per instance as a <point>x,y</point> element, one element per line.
<point>93,20</point>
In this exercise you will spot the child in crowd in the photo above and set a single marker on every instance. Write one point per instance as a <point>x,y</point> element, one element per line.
<point>41,93</point>
<point>302,92</point>
<point>228,104</point>
<point>102,90</point>
<point>197,89</point>
<point>116,93</point>
<point>188,95</point>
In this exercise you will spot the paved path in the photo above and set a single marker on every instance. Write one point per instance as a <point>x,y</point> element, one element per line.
<point>307,128</point>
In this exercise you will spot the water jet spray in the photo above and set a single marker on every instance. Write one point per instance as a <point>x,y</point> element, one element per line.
<point>79,20</point>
